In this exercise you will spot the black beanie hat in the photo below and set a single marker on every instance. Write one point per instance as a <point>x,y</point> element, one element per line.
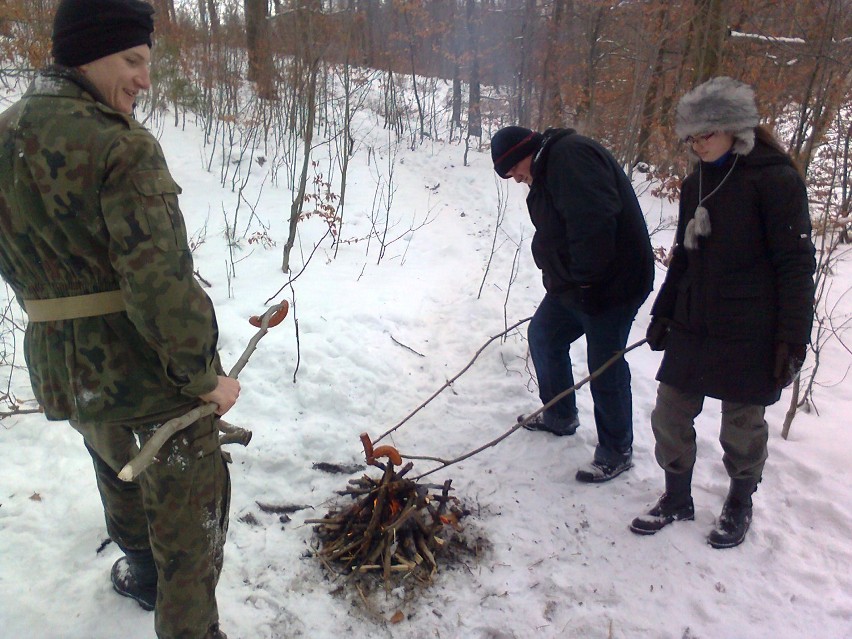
<point>512,144</point>
<point>86,30</point>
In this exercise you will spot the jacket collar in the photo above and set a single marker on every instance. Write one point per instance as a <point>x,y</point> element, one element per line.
<point>60,81</point>
<point>551,137</point>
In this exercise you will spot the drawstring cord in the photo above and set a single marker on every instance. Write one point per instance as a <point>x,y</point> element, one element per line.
<point>699,225</point>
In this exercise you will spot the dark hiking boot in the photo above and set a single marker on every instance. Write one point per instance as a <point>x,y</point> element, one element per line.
<point>662,514</point>
<point>734,522</point>
<point>731,527</point>
<point>135,576</point>
<point>558,426</point>
<point>601,470</point>
<point>674,505</point>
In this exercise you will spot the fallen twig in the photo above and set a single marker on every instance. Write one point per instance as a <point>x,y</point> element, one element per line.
<point>396,341</point>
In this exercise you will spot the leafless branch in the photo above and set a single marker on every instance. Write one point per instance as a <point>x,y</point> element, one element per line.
<point>297,275</point>
<point>451,380</point>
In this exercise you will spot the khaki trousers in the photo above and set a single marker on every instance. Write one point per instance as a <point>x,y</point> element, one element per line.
<point>744,433</point>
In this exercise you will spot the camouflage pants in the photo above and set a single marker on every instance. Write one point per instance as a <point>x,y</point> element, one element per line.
<point>743,435</point>
<point>178,507</point>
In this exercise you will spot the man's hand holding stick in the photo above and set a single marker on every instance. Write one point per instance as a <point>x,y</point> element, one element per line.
<point>218,400</point>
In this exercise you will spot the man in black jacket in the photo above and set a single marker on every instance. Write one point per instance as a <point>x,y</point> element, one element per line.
<point>591,244</point>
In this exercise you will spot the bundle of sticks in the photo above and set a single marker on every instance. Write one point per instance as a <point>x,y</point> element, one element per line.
<point>394,527</point>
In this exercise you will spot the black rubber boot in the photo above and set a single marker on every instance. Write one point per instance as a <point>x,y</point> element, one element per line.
<point>135,576</point>
<point>733,523</point>
<point>674,505</point>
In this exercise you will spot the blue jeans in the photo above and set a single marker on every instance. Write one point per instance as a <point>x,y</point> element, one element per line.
<point>554,327</point>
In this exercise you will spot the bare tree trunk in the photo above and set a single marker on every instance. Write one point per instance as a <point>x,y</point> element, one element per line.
<point>456,37</point>
<point>828,85</point>
<point>550,113</point>
<point>213,14</point>
<point>411,41</point>
<point>710,25</point>
<point>586,109</point>
<point>260,67</point>
<point>298,201</point>
<point>346,146</point>
<point>526,58</point>
<point>650,106</point>
<point>791,410</point>
<point>455,118</point>
<point>369,35</point>
<point>165,13</point>
<point>474,113</point>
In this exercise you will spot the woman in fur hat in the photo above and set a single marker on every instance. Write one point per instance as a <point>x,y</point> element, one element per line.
<point>734,314</point>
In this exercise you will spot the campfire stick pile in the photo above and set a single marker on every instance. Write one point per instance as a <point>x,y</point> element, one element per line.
<point>394,525</point>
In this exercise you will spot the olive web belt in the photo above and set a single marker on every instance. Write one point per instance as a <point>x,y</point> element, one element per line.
<point>65,308</point>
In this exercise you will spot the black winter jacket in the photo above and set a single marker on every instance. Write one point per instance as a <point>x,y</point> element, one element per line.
<point>591,241</point>
<point>748,285</point>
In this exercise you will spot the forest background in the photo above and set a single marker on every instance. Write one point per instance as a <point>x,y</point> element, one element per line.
<point>276,81</point>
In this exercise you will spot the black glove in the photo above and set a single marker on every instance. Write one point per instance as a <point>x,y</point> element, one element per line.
<point>658,331</point>
<point>788,362</point>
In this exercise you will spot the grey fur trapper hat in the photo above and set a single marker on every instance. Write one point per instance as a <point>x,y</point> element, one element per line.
<point>720,104</point>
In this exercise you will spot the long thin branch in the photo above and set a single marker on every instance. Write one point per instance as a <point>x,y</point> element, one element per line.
<point>501,214</point>
<point>597,373</point>
<point>146,456</point>
<point>304,266</point>
<point>450,381</point>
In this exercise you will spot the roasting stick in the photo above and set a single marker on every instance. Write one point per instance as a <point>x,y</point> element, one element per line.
<point>272,317</point>
<point>521,422</point>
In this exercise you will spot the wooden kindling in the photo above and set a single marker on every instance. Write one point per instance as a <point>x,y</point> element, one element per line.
<point>394,525</point>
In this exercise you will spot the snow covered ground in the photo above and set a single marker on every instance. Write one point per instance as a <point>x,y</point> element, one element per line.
<point>561,563</point>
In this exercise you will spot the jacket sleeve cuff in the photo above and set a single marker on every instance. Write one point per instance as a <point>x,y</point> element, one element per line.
<point>202,384</point>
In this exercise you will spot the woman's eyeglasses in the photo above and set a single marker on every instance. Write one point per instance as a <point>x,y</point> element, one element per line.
<point>692,139</point>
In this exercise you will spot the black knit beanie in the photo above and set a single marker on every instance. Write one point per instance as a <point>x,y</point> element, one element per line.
<point>86,30</point>
<point>512,144</point>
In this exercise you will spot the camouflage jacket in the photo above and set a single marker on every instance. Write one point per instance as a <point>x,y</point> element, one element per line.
<point>87,205</point>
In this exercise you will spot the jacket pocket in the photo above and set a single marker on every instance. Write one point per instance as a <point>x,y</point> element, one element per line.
<point>551,256</point>
<point>159,196</point>
<point>682,304</point>
<point>743,310</point>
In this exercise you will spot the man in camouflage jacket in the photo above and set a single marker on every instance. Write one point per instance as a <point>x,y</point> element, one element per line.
<point>120,336</point>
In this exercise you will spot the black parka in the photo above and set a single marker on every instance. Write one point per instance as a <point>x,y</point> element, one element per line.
<point>746,287</point>
<point>590,231</point>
